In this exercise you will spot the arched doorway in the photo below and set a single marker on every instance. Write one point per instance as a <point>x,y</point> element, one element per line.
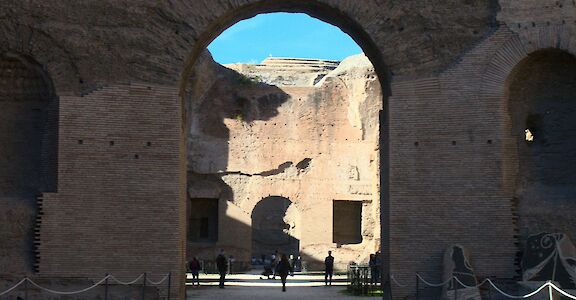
<point>252,134</point>
<point>28,155</point>
<point>542,110</point>
<point>275,227</point>
<point>331,16</point>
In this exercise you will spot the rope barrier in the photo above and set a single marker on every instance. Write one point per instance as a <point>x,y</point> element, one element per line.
<point>158,282</point>
<point>126,283</point>
<point>470,286</point>
<point>517,296</point>
<point>82,290</point>
<point>396,281</point>
<point>12,288</point>
<point>67,293</point>
<point>548,284</point>
<point>562,292</point>
<point>433,284</point>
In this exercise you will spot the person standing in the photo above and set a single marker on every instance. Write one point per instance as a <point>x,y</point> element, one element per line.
<point>373,269</point>
<point>328,268</point>
<point>194,267</point>
<point>222,266</point>
<point>377,268</point>
<point>231,261</point>
<point>273,263</point>
<point>292,261</point>
<point>283,268</point>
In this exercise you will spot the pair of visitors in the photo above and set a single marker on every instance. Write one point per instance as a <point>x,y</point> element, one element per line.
<point>375,263</point>
<point>194,267</point>
<point>222,266</point>
<point>328,268</point>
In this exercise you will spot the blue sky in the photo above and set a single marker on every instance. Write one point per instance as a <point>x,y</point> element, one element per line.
<point>281,35</point>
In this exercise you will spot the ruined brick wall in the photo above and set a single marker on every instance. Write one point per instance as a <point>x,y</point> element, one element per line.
<point>309,144</point>
<point>444,66</point>
<point>120,179</point>
<point>27,156</point>
<point>541,96</point>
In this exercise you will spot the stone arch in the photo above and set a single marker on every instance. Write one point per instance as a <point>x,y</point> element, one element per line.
<point>316,9</point>
<point>275,226</point>
<point>513,46</point>
<point>29,97</point>
<point>541,98</point>
<point>331,15</point>
<point>51,57</point>
<point>29,153</point>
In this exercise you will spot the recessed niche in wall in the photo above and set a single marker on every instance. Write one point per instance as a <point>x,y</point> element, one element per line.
<point>203,222</point>
<point>347,222</point>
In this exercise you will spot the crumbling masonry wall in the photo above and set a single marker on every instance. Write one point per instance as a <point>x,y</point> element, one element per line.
<point>311,144</point>
<point>542,100</point>
<point>28,118</point>
<point>120,70</point>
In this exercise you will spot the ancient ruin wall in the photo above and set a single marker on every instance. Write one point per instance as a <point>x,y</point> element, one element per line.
<point>451,162</point>
<point>27,156</point>
<point>310,144</point>
<point>542,99</point>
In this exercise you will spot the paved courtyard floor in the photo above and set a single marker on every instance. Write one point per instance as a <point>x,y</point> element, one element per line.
<point>268,293</point>
<point>251,287</point>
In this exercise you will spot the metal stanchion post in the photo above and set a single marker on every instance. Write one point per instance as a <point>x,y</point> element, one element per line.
<point>26,288</point>
<point>170,285</point>
<point>106,288</point>
<point>144,287</point>
<point>455,289</point>
<point>417,287</point>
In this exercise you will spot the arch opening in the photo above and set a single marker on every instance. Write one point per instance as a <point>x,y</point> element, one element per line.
<point>28,155</point>
<point>243,111</point>
<point>275,227</point>
<point>542,110</point>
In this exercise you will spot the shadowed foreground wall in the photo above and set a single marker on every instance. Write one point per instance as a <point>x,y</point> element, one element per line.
<point>542,99</point>
<point>119,69</point>
<point>28,137</point>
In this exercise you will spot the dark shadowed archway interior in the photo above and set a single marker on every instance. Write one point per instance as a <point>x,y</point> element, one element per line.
<point>272,224</point>
<point>542,106</point>
<point>28,155</point>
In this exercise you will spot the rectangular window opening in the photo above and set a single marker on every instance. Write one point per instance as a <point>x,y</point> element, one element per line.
<point>347,222</point>
<point>203,222</point>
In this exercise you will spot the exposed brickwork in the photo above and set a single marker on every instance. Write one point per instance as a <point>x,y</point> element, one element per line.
<point>28,119</point>
<point>119,207</point>
<point>117,213</point>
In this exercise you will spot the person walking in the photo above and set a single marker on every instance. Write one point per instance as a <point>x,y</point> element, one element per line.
<point>222,266</point>
<point>328,268</point>
<point>194,267</point>
<point>283,268</point>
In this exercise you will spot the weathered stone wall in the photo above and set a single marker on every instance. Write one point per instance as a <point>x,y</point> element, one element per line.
<point>444,65</point>
<point>27,154</point>
<point>310,144</point>
<point>541,99</point>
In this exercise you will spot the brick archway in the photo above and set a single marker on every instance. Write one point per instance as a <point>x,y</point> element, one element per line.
<point>329,15</point>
